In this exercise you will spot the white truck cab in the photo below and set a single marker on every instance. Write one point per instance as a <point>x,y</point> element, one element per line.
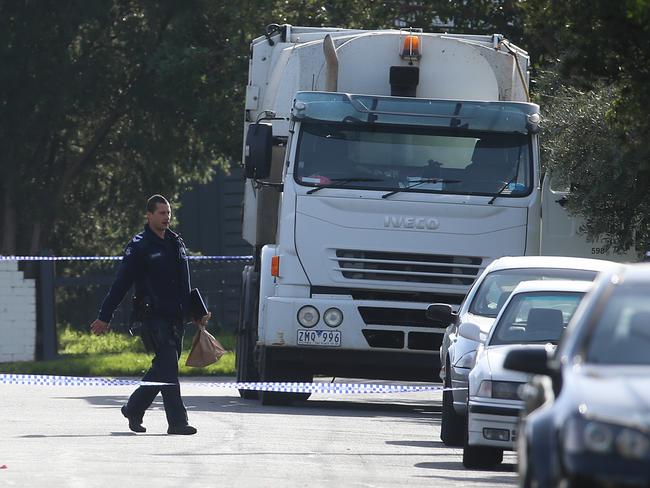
<point>386,169</point>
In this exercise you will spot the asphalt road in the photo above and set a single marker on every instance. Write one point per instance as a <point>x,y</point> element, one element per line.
<point>76,437</point>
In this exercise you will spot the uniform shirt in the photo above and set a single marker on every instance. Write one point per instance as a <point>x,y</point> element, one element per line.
<point>159,269</point>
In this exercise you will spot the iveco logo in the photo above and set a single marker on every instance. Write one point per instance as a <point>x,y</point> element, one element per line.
<point>402,222</point>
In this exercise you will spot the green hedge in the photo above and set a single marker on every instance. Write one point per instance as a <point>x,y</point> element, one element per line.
<point>114,354</point>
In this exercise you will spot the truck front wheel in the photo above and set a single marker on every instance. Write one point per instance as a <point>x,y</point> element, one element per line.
<point>247,332</point>
<point>280,371</point>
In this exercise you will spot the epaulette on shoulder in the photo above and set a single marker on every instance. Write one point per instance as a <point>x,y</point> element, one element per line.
<point>138,237</point>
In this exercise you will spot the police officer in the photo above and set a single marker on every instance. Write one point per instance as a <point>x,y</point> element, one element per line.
<point>156,261</point>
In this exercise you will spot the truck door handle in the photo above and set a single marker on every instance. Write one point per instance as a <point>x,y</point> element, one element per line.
<point>562,201</point>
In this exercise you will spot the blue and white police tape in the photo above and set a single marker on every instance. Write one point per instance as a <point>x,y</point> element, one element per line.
<point>51,380</point>
<point>287,387</point>
<point>115,258</point>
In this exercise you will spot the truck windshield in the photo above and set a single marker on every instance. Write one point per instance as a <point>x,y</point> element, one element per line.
<point>411,159</point>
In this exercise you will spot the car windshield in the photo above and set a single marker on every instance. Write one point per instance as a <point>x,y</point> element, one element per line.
<point>411,159</point>
<point>535,317</point>
<point>622,333</point>
<point>497,286</point>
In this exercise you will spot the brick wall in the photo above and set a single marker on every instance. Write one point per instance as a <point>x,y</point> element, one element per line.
<point>17,314</point>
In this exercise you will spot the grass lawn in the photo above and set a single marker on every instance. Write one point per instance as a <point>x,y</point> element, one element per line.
<point>114,354</point>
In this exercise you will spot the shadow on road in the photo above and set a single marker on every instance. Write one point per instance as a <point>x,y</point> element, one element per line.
<point>111,434</point>
<point>413,409</point>
<point>483,475</point>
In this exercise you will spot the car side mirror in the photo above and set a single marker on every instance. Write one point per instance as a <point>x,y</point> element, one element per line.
<point>258,151</point>
<point>471,331</point>
<point>526,360</point>
<point>440,312</point>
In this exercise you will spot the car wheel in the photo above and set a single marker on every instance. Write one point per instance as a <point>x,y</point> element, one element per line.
<point>452,425</point>
<point>480,457</point>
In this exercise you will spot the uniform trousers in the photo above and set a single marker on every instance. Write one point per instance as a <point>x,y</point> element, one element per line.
<point>166,338</point>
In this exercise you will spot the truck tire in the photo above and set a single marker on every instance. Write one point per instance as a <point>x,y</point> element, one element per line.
<point>452,425</point>
<point>272,371</point>
<point>247,332</point>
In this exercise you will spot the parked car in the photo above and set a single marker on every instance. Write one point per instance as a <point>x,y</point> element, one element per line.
<point>535,314</point>
<point>481,306</point>
<point>587,420</point>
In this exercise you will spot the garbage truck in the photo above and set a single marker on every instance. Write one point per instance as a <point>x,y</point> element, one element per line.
<point>385,169</point>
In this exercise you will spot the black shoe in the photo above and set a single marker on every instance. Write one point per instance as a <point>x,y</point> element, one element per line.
<point>134,424</point>
<point>181,430</point>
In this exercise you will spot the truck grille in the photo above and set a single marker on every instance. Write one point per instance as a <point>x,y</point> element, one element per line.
<point>414,268</point>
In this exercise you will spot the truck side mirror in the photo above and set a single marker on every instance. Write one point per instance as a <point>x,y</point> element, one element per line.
<point>257,152</point>
<point>440,312</point>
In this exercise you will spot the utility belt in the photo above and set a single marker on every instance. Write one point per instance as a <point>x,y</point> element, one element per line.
<point>143,312</point>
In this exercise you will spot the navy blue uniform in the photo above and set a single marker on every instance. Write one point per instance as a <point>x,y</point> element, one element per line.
<point>159,270</point>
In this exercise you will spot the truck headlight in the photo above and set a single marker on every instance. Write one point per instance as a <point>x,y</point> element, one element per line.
<point>333,317</point>
<point>308,316</point>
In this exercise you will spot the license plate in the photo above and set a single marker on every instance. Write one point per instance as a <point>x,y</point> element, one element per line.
<point>327,338</point>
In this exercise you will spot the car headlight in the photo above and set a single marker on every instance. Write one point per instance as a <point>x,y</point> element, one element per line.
<point>505,390</point>
<point>467,360</point>
<point>632,444</point>
<point>308,316</point>
<point>583,435</point>
<point>333,317</point>
<point>598,437</point>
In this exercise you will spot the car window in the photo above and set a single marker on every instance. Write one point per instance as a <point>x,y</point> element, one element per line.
<point>535,317</point>
<point>497,286</point>
<point>622,333</point>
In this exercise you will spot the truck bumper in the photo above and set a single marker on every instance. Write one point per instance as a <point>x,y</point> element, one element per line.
<point>387,365</point>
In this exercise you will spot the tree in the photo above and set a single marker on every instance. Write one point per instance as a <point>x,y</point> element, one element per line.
<point>106,102</point>
<point>102,104</point>
<point>594,106</point>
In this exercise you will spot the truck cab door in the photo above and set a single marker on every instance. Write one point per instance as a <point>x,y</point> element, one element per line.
<point>560,231</point>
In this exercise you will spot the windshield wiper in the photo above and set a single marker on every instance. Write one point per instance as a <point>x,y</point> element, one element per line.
<point>419,182</point>
<point>502,189</point>
<point>341,182</point>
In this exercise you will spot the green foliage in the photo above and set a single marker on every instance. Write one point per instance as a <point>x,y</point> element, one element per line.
<point>585,142</point>
<point>73,342</point>
<point>114,354</point>
<point>120,364</point>
<point>592,84</point>
<point>104,103</point>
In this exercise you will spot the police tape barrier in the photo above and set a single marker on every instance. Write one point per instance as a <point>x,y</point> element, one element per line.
<point>116,258</point>
<point>286,387</point>
<point>51,380</point>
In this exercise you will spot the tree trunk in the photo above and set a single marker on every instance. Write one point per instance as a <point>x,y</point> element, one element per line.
<point>35,244</point>
<point>8,227</point>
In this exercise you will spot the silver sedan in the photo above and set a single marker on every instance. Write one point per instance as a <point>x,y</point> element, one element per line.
<point>480,307</point>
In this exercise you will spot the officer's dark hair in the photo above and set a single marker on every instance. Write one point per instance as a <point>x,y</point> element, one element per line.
<point>153,202</point>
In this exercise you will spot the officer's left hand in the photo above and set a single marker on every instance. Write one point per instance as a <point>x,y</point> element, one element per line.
<point>204,320</point>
